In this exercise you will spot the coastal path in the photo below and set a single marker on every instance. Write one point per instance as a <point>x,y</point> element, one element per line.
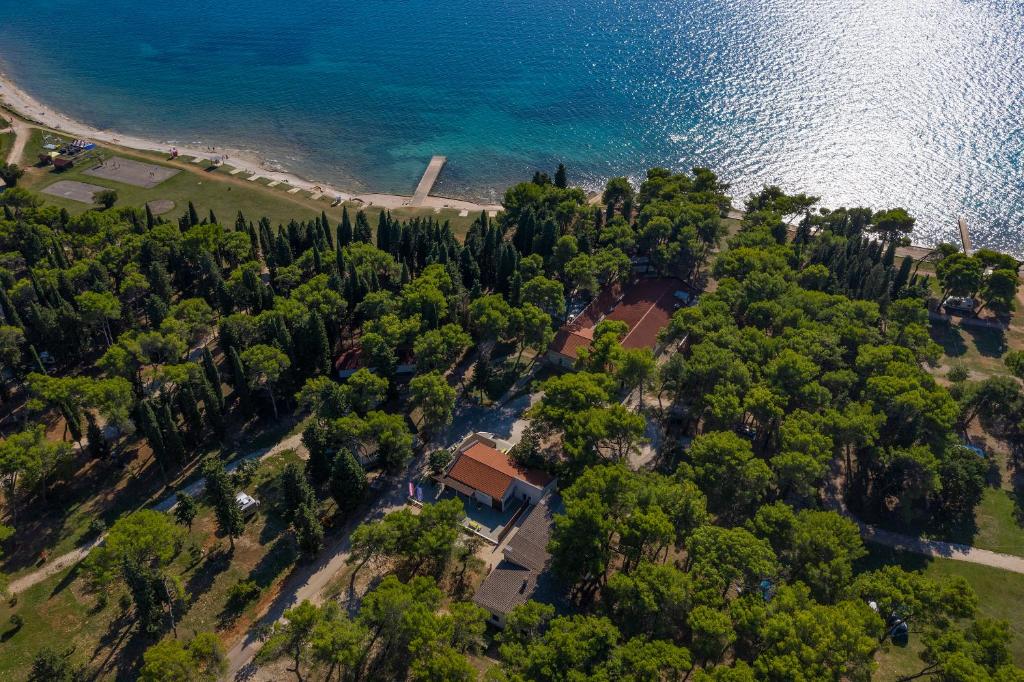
<point>58,564</point>
<point>428,180</point>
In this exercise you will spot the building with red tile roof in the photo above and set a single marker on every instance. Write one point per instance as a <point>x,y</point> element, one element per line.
<point>646,306</point>
<point>482,472</point>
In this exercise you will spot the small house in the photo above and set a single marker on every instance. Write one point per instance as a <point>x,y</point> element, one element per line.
<point>488,476</point>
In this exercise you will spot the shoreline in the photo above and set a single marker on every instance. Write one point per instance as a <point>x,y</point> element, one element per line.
<point>25,106</point>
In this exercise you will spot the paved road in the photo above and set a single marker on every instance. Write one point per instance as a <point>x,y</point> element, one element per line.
<point>58,564</point>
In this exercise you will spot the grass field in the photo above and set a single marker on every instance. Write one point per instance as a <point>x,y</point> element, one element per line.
<point>6,140</point>
<point>209,189</point>
<point>1000,594</point>
<point>61,613</point>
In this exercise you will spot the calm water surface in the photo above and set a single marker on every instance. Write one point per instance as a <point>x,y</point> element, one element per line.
<point>881,102</point>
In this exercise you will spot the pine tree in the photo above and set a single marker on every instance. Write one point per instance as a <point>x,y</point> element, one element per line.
<point>295,491</point>
<point>309,533</point>
<point>348,481</point>
<point>222,495</point>
<point>240,381</point>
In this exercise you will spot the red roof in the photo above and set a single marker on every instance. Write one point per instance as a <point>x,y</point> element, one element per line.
<point>645,307</point>
<point>491,471</point>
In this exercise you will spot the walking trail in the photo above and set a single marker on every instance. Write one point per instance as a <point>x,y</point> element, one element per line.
<point>64,561</point>
<point>21,135</point>
<point>833,499</point>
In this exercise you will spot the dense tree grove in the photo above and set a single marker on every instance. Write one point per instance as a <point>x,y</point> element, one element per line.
<point>795,389</point>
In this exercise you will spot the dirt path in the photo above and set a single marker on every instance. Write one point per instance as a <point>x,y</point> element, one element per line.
<point>833,499</point>
<point>308,581</point>
<point>21,135</point>
<point>58,564</point>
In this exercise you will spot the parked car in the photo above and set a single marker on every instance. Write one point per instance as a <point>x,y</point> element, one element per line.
<point>246,504</point>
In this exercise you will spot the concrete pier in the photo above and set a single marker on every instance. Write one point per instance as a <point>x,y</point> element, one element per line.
<point>428,180</point>
<point>965,238</point>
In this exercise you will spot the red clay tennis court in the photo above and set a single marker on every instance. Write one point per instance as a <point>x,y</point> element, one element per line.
<point>645,306</point>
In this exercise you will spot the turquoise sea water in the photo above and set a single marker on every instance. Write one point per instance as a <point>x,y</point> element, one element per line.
<point>885,102</point>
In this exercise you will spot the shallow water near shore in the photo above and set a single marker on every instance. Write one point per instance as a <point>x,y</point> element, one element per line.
<point>915,103</point>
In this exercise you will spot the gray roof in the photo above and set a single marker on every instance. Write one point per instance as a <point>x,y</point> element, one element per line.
<point>529,546</point>
<point>523,574</point>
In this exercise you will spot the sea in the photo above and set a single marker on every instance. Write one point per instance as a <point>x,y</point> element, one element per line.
<point>914,103</point>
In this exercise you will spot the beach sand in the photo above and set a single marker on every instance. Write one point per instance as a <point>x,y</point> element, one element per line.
<point>24,105</point>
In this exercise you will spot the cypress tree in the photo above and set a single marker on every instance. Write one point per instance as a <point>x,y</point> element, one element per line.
<point>902,275</point>
<point>344,229</point>
<point>213,218</point>
<point>309,533</point>
<point>213,408</point>
<point>172,436</point>
<point>150,218</point>
<point>193,215</point>
<point>151,428</point>
<point>321,453</point>
<point>561,181</point>
<point>319,347</point>
<point>240,380</point>
<point>9,311</point>
<point>296,491</point>
<point>212,375</point>
<point>282,251</point>
<point>383,232</point>
<point>222,495</point>
<point>326,225</point>
<point>362,232</point>
<point>515,290</point>
<point>73,421</point>
<point>188,405</point>
<point>99,448</point>
<point>348,481</point>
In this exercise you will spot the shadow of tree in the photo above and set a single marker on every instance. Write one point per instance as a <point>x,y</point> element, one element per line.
<point>949,337</point>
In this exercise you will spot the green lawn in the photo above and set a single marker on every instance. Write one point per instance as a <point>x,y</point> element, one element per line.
<point>1000,594</point>
<point>995,526</point>
<point>210,188</point>
<point>60,612</point>
<point>6,140</point>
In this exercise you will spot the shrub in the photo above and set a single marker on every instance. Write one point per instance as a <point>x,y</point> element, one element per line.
<point>439,460</point>
<point>243,592</point>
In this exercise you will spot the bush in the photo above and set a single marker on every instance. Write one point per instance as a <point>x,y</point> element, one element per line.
<point>97,527</point>
<point>958,373</point>
<point>439,460</point>
<point>105,198</point>
<point>17,621</point>
<point>243,592</point>
<point>245,472</point>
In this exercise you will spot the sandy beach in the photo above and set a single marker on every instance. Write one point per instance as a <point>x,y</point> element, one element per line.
<point>29,108</point>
